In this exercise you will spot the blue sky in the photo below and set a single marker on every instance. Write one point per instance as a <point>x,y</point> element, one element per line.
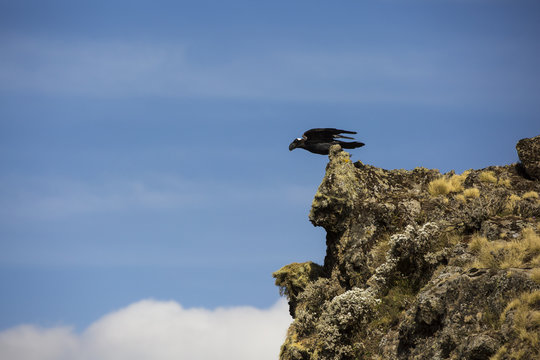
<point>143,144</point>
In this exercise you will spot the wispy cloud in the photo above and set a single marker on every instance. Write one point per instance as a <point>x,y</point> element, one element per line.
<point>44,198</point>
<point>393,75</point>
<point>106,68</point>
<point>157,330</point>
<point>51,198</point>
<point>112,68</point>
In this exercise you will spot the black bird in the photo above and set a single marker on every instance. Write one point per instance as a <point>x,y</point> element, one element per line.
<point>319,140</point>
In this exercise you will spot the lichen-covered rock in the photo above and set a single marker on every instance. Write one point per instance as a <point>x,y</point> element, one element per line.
<point>342,180</point>
<point>529,155</point>
<point>406,258</point>
<point>452,304</point>
<point>342,320</point>
<point>420,265</point>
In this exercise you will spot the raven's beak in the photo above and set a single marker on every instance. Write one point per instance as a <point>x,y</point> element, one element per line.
<point>292,146</point>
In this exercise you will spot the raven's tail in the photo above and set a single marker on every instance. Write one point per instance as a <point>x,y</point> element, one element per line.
<point>350,145</point>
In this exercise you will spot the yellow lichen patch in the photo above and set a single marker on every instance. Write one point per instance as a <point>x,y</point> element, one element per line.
<point>530,195</point>
<point>296,343</point>
<point>487,177</point>
<point>471,193</point>
<point>446,185</point>
<point>293,347</point>
<point>501,254</point>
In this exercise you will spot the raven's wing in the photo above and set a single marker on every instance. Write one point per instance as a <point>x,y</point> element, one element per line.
<point>326,134</point>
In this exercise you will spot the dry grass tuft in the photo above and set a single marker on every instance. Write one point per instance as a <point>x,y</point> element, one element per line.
<point>487,177</point>
<point>477,243</point>
<point>535,274</point>
<point>530,195</point>
<point>511,203</point>
<point>467,194</point>
<point>502,254</point>
<point>458,180</point>
<point>445,185</point>
<point>505,182</point>
<point>439,187</point>
<point>531,238</point>
<point>471,193</point>
<point>525,324</point>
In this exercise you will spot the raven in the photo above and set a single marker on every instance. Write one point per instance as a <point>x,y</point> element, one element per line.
<point>319,140</point>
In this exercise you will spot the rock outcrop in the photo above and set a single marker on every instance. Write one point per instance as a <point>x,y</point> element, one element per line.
<point>420,265</point>
<point>529,155</point>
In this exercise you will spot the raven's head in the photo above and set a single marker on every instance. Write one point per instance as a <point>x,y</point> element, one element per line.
<point>296,143</point>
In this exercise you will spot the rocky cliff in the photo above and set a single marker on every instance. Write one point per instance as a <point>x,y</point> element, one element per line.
<point>420,265</point>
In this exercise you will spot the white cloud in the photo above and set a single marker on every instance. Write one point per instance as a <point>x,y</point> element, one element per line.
<point>157,330</point>
<point>28,342</point>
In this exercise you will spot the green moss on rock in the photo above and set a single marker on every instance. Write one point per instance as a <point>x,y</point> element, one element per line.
<point>292,279</point>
